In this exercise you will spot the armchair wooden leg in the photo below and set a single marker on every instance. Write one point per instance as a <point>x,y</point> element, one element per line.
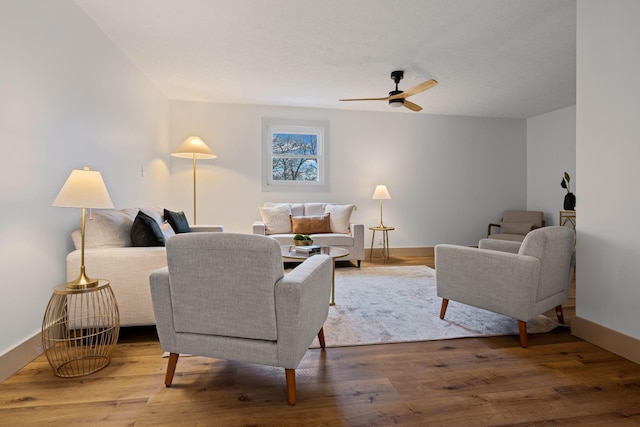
<point>443,308</point>
<point>321,338</point>
<point>522,326</point>
<point>291,385</point>
<point>171,368</point>
<point>560,314</point>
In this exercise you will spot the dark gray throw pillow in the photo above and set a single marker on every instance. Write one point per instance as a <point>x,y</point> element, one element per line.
<point>177,220</point>
<point>146,231</point>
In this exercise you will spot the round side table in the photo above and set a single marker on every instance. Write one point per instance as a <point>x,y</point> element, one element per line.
<point>385,240</point>
<point>80,329</point>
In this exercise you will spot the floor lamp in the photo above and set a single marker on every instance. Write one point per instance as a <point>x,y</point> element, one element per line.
<point>381,193</point>
<point>194,148</point>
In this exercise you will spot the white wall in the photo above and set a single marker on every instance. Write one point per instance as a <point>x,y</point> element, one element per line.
<point>448,176</point>
<point>551,151</point>
<point>69,99</point>
<point>608,164</point>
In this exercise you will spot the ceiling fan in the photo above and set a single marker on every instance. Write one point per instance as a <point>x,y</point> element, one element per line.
<point>398,98</point>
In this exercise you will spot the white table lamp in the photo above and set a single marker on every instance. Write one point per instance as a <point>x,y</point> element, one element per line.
<point>83,189</point>
<point>381,193</point>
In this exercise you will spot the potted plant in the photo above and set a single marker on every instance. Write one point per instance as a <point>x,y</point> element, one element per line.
<point>569,198</point>
<point>302,240</point>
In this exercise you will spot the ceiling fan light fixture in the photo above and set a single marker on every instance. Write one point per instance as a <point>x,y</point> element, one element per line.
<point>396,103</point>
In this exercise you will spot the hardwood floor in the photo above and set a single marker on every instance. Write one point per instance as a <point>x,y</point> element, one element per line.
<point>558,380</point>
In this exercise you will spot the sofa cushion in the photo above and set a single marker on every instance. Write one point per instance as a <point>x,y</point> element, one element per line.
<point>177,220</point>
<point>314,209</point>
<point>516,227</point>
<point>340,217</point>
<point>106,228</point>
<point>310,224</point>
<point>145,231</point>
<point>297,209</point>
<point>277,219</point>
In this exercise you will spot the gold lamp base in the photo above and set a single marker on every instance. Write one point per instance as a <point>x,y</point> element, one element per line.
<point>82,281</point>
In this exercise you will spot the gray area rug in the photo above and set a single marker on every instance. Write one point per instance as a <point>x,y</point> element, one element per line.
<point>377,305</point>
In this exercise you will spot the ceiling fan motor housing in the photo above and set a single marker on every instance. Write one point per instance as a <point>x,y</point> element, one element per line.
<point>396,102</point>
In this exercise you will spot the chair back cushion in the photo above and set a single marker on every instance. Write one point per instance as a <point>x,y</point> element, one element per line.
<point>223,284</point>
<point>553,246</point>
<point>524,217</point>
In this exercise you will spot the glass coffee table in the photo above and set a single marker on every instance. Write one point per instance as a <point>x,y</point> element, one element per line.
<point>333,251</point>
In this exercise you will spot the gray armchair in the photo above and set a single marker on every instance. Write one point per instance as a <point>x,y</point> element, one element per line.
<point>225,295</point>
<point>520,285</point>
<point>514,225</point>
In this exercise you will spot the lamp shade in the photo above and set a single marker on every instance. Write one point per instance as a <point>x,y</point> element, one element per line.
<point>84,189</point>
<point>381,193</point>
<point>194,147</point>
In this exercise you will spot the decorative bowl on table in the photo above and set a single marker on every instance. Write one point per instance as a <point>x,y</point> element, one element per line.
<point>302,240</point>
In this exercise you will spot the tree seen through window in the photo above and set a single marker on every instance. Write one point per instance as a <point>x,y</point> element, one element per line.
<point>295,157</point>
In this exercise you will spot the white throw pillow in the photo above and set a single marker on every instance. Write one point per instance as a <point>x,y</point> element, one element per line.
<point>340,217</point>
<point>277,220</point>
<point>167,230</point>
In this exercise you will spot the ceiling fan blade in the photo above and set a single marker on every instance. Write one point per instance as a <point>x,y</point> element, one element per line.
<point>366,99</point>
<point>411,106</point>
<point>420,87</point>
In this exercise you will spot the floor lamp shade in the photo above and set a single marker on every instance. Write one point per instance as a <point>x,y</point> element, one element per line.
<point>381,193</point>
<point>194,148</point>
<point>83,189</point>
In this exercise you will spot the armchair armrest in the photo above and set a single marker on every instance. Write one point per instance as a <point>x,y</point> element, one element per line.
<point>302,306</point>
<point>486,278</point>
<point>207,228</point>
<point>489,228</point>
<point>259,228</point>
<point>161,297</point>
<point>500,245</point>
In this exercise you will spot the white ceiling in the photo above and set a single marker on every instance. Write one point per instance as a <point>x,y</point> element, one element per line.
<point>492,58</point>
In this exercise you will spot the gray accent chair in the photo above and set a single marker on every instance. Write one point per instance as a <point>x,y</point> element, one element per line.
<point>225,295</point>
<point>514,225</point>
<point>521,285</point>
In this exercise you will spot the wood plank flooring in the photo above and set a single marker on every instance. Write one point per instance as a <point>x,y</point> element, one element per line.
<point>558,380</point>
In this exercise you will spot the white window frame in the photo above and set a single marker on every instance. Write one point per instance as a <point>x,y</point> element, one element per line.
<point>320,128</point>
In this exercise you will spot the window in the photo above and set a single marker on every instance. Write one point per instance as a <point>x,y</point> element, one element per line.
<point>295,155</point>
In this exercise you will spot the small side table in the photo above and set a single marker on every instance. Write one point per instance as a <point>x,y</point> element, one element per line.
<point>80,329</point>
<point>385,240</point>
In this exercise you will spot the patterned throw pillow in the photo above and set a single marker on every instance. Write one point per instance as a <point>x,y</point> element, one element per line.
<point>276,219</point>
<point>340,217</point>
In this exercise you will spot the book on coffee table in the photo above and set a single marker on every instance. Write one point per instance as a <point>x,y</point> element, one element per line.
<point>308,250</point>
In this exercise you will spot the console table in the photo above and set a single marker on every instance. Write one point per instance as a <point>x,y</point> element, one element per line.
<point>568,217</point>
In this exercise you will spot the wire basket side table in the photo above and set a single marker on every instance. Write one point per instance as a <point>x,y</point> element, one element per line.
<point>80,329</point>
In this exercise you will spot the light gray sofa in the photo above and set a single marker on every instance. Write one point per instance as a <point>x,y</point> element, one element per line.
<point>110,255</point>
<point>276,222</point>
<point>225,295</point>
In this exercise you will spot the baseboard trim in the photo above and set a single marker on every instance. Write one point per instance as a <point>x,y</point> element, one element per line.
<point>616,342</point>
<point>426,251</point>
<point>20,356</point>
